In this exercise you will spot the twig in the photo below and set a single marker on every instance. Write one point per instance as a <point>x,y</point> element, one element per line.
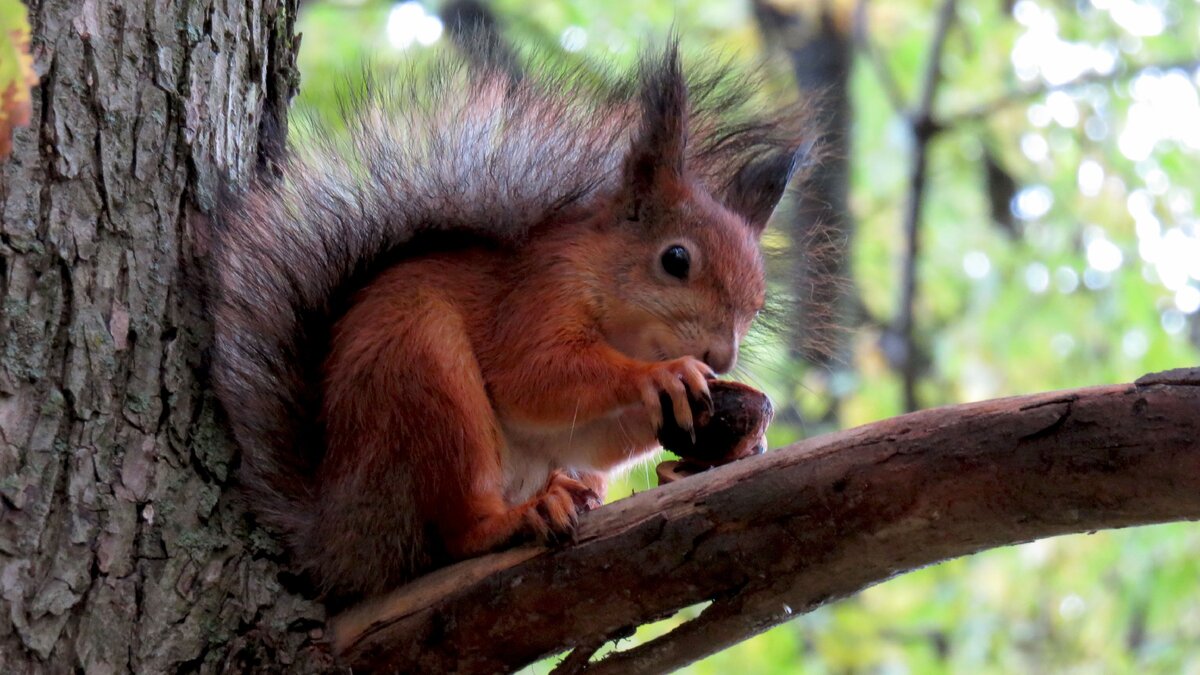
<point>923,130</point>
<point>989,108</point>
<point>720,625</point>
<point>777,535</point>
<point>862,38</point>
<point>577,661</point>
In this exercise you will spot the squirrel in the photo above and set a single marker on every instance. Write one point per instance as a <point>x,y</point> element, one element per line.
<point>441,332</point>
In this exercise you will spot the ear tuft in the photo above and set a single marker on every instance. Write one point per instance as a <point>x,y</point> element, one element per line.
<point>655,161</point>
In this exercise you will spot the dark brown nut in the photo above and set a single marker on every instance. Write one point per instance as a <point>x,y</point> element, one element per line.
<point>733,428</point>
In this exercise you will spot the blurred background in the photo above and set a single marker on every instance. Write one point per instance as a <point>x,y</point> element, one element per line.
<point>1006,205</point>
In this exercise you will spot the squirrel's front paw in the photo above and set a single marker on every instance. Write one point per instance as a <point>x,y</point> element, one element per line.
<point>677,380</point>
<point>554,513</point>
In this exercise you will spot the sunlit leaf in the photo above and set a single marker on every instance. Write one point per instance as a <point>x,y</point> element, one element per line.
<point>16,71</point>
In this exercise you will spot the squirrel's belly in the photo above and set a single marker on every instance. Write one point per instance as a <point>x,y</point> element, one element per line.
<point>602,445</point>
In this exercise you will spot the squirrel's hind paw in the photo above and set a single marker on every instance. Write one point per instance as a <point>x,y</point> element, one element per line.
<point>554,513</point>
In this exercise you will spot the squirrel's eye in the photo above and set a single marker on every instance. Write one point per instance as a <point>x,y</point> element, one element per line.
<point>676,261</point>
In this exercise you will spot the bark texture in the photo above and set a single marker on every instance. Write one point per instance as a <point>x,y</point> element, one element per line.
<point>780,534</point>
<point>122,546</point>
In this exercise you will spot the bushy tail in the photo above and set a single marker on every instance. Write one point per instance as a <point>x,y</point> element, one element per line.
<point>459,153</point>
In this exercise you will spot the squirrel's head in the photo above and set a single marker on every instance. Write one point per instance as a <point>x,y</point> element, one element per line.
<point>684,275</point>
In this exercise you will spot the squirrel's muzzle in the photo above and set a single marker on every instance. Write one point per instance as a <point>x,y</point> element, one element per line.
<point>721,357</point>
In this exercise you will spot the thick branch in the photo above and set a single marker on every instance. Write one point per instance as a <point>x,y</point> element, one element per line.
<point>780,534</point>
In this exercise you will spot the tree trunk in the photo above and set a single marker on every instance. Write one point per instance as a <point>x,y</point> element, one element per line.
<point>122,544</point>
<point>819,48</point>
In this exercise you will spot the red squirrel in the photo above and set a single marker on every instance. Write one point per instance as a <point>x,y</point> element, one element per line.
<point>442,334</point>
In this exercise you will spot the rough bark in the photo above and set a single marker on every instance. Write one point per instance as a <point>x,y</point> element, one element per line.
<point>777,535</point>
<point>122,546</point>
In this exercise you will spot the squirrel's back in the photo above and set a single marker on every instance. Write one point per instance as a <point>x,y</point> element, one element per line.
<point>463,152</point>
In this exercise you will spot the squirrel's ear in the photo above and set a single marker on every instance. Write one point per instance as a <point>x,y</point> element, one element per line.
<point>756,188</point>
<point>654,164</point>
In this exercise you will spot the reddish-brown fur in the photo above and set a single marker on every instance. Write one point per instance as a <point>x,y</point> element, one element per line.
<point>479,392</point>
<point>485,339</point>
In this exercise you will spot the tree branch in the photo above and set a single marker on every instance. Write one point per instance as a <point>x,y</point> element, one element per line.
<point>903,349</point>
<point>987,109</point>
<point>577,660</point>
<point>780,534</point>
<point>820,52</point>
<point>862,38</point>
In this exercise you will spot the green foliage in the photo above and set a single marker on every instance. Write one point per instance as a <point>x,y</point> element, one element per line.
<point>16,71</point>
<point>999,313</point>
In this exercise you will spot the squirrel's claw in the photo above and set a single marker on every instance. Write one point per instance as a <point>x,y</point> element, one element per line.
<point>554,514</point>
<point>652,405</point>
<point>680,381</point>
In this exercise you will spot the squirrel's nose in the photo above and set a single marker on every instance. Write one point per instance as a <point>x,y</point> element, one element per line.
<point>721,358</point>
